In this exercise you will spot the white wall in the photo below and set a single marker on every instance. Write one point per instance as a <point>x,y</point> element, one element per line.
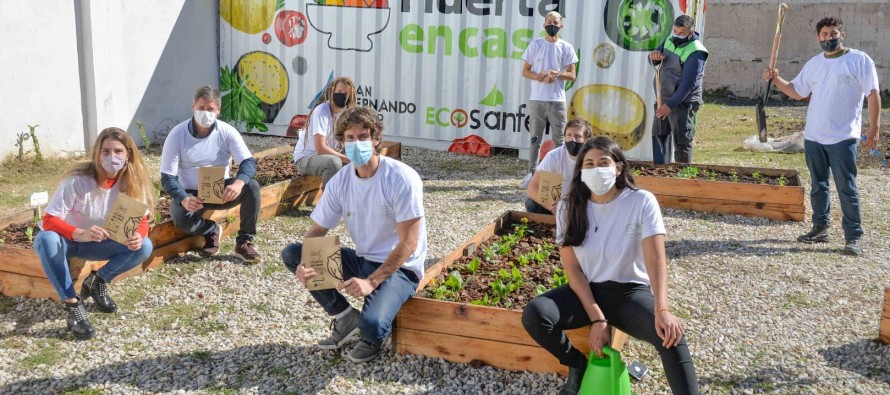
<point>77,67</point>
<point>39,69</point>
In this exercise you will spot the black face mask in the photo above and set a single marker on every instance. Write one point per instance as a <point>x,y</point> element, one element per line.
<point>573,147</point>
<point>339,99</point>
<point>551,30</point>
<point>831,44</point>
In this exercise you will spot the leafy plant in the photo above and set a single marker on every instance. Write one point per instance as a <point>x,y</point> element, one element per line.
<point>688,172</point>
<point>239,104</point>
<point>539,289</point>
<point>486,301</point>
<point>524,259</point>
<point>146,142</point>
<point>782,180</point>
<point>759,177</point>
<point>490,252</point>
<point>230,219</point>
<point>20,139</point>
<point>558,278</point>
<point>734,176</point>
<point>38,157</point>
<point>158,218</point>
<point>473,265</point>
<point>636,172</point>
<point>30,233</point>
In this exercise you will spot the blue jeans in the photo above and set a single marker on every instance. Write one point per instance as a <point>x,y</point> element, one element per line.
<point>55,251</point>
<point>381,306</point>
<point>840,160</point>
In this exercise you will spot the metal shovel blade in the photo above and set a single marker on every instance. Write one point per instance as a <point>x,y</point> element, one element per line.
<point>760,114</point>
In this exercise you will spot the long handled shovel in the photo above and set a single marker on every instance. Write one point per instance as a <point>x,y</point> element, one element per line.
<point>761,111</point>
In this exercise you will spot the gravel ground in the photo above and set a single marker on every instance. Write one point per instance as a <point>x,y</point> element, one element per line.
<point>763,313</point>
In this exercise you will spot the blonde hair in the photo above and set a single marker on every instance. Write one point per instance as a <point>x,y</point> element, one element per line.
<point>133,179</point>
<point>554,13</point>
<point>328,96</point>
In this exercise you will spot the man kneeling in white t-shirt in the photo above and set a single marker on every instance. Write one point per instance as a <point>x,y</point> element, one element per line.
<point>560,160</point>
<point>381,201</point>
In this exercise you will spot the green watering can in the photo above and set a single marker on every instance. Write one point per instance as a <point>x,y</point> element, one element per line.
<point>606,376</point>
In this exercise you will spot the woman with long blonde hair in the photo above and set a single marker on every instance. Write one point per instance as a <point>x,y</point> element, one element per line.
<point>319,153</point>
<point>72,225</point>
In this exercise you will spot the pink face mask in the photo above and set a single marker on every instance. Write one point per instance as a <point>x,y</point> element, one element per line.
<point>113,163</point>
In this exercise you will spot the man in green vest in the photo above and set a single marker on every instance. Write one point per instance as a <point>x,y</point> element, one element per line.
<point>682,58</point>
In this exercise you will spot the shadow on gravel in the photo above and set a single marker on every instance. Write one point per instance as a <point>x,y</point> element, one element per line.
<point>867,357</point>
<point>774,379</point>
<point>765,247</point>
<point>267,368</point>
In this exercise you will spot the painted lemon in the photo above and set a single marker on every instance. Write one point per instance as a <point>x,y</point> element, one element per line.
<point>248,16</point>
<point>615,112</point>
<point>265,76</point>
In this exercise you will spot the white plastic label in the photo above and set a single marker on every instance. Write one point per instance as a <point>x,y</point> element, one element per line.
<point>39,198</point>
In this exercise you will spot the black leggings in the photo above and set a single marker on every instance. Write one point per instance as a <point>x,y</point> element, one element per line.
<point>629,307</point>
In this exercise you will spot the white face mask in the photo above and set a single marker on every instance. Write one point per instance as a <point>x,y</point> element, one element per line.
<point>599,179</point>
<point>205,118</point>
<point>113,163</point>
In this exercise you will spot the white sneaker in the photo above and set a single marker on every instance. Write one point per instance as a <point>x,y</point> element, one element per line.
<point>526,181</point>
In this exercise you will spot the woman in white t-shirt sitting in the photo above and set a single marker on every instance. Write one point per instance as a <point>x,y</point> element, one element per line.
<point>318,153</point>
<point>72,226</point>
<point>611,243</point>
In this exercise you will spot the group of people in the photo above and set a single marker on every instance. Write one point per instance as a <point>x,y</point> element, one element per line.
<point>616,277</point>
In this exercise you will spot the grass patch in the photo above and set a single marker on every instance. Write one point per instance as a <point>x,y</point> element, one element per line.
<point>259,307</point>
<point>201,355</point>
<point>47,354</point>
<point>189,316</point>
<point>6,304</point>
<point>796,299</point>
<point>271,270</point>
<point>721,129</point>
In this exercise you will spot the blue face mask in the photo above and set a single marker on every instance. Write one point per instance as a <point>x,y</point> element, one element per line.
<point>359,152</point>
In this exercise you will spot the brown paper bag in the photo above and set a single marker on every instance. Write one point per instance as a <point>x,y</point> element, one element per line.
<point>211,183</point>
<point>549,188</point>
<point>124,218</point>
<point>323,255</point>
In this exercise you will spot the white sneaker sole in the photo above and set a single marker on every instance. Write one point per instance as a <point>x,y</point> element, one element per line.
<point>343,341</point>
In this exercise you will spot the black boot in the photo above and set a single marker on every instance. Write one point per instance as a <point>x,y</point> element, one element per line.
<point>819,234</point>
<point>96,287</point>
<point>77,320</point>
<point>573,382</point>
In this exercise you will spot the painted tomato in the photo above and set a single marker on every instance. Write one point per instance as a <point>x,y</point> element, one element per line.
<point>638,25</point>
<point>267,38</point>
<point>291,27</point>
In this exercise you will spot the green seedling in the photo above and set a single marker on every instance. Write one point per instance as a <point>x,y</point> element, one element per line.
<point>688,172</point>
<point>230,219</point>
<point>734,176</point>
<point>782,180</point>
<point>30,233</point>
<point>558,278</point>
<point>539,289</point>
<point>636,172</point>
<point>38,157</point>
<point>473,265</point>
<point>490,252</point>
<point>146,142</point>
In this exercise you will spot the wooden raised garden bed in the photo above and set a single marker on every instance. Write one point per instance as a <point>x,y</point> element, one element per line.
<point>884,330</point>
<point>775,194</point>
<point>465,331</point>
<point>21,273</point>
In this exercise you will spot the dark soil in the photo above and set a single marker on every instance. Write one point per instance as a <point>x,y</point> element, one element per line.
<point>707,174</point>
<point>865,158</point>
<point>534,273</point>
<point>16,235</point>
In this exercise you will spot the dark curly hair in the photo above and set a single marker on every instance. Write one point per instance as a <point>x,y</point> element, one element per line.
<point>831,22</point>
<point>365,117</point>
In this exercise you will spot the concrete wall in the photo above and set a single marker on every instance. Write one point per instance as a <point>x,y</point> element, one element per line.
<point>77,67</point>
<point>739,36</point>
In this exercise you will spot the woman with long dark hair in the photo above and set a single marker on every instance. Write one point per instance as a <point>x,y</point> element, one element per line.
<point>72,225</point>
<point>611,243</point>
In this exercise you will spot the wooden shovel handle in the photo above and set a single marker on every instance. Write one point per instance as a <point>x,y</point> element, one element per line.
<point>783,10</point>
<point>657,88</point>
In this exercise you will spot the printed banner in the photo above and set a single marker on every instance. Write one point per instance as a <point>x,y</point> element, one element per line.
<point>440,70</point>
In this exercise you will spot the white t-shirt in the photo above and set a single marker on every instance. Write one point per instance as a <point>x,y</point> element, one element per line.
<point>322,123</point>
<point>838,87</point>
<point>372,207</point>
<point>613,248</point>
<point>558,161</point>
<point>80,201</point>
<point>183,153</point>
<point>544,55</point>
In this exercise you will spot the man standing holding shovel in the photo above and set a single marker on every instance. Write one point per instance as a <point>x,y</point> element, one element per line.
<point>682,60</point>
<point>836,81</point>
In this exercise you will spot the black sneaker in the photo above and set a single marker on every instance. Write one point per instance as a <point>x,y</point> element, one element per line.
<point>819,234</point>
<point>852,248</point>
<point>211,241</point>
<point>342,330</point>
<point>365,351</point>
